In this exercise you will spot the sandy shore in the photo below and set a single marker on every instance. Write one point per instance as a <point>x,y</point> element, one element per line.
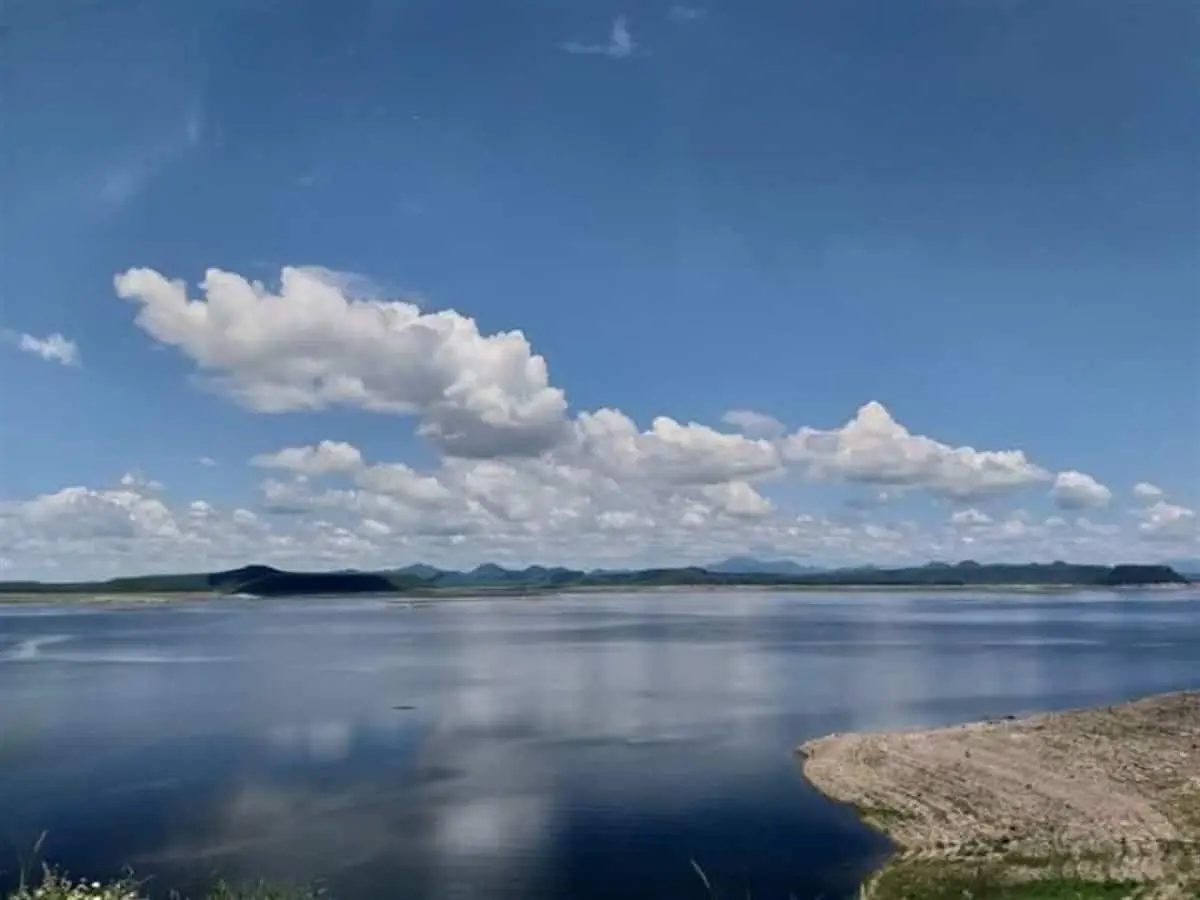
<point>1106,795</point>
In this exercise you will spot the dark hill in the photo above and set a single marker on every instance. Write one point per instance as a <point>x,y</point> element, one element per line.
<point>1134,575</point>
<point>294,584</point>
<point>231,580</point>
<point>267,581</point>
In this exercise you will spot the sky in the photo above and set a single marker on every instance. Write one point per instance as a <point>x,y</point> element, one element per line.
<point>361,284</point>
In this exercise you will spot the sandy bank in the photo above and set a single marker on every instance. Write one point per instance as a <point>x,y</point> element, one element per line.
<point>1112,793</point>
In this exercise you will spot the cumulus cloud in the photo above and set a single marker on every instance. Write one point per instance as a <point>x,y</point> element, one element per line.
<point>207,461</point>
<point>1143,490</point>
<point>516,512</point>
<point>398,480</point>
<point>1075,490</point>
<point>670,451</point>
<point>315,345</point>
<point>618,46</point>
<point>1166,520</point>
<point>325,458</point>
<point>79,513</point>
<point>52,348</point>
<point>738,499</point>
<point>138,482</point>
<point>754,424</point>
<point>518,478</point>
<point>873,448</point>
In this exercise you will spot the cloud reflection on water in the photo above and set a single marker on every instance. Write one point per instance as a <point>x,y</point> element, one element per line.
<point>478,748</point>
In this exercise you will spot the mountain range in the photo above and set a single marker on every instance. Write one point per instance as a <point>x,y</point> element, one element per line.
<point>749,565</point>
<point>259,580</point>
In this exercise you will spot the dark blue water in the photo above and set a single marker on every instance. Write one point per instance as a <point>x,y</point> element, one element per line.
<point>577,747</point>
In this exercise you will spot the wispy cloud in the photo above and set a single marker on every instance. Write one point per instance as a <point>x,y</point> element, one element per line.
<point>207,461</point>
<point>618,46</point>
<point>127,177</point>
<point>681,13</point>
<point>53,348</point>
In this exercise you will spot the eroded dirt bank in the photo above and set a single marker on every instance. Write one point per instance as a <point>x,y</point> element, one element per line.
<point>1108,795</point>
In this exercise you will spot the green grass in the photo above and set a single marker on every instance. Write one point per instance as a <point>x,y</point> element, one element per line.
<point>902,879</point>
<point>57,885</point>
<point>942,882</point>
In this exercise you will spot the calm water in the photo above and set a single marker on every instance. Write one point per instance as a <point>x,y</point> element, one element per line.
<point>578,747</point>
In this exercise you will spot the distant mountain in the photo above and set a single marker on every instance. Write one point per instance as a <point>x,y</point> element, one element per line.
<point>420,570</point>
<point>1186,566</point>
<point>748,565</point>
<point>266,581</point>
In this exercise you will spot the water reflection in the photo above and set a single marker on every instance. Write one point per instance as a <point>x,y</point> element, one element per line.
<point>577,747</point>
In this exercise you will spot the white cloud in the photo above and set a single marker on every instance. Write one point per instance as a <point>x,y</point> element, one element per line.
<point>398,480</point>
<point>325,458</point>
<point>207,461</point>
<point>314,345</point>
<point>518,478</point>
<point>1075,490</point>
<point>623,520</point>
<point>52,348</point>
<point>78,513</point>
<point>969,517</point>
<point>669,451</point>
<point>873,448</point>
<point>1143,490</point>
<point>373,528</point>
<point>518,513</point>
<point>137,482</point>
<point>618,46</point>
<point>754,424</point>
<point>738,499</point>
<point>1166,520</point>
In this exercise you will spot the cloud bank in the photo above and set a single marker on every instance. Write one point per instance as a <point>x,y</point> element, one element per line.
<point>519,476</point>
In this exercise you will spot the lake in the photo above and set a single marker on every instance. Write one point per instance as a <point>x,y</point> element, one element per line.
<point>581,746</point>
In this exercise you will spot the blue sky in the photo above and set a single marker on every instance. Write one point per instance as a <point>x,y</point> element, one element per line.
<point>979,214</point>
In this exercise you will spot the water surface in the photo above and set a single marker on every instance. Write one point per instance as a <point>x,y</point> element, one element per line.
<point>581,746</point>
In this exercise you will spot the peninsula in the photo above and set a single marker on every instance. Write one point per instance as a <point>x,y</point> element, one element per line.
<point>1083,804</point>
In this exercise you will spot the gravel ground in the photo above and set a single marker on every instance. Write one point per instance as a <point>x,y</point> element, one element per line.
<point>1115,791</point>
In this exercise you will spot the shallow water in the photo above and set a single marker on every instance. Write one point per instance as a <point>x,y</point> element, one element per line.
<point>576,747</point>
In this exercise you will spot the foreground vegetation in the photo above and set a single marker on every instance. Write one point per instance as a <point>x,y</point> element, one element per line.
<point>1086,804</point>
<point>905,879</point>
<point>56,885</point>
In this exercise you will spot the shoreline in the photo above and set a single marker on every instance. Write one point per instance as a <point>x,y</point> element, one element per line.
<point>500,592</point>
<point>1102,801</point>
